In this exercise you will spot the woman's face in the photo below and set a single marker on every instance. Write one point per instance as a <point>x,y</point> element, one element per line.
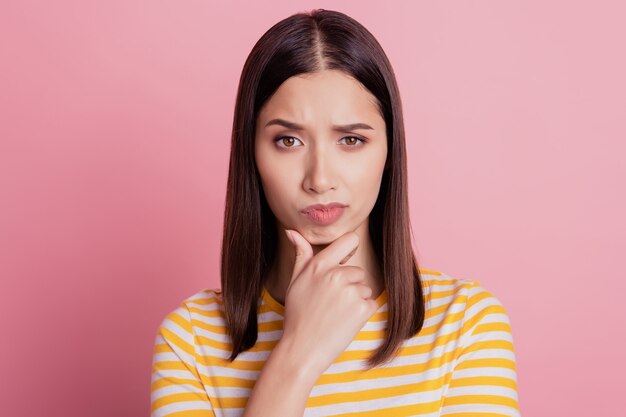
<point>315,160</point>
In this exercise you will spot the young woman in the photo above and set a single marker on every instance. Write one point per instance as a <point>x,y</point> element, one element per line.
<point>323,310</point>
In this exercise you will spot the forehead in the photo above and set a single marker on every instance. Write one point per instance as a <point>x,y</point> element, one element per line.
<point>328,95</point>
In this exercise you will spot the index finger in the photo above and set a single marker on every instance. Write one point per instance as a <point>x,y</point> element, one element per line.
<point>338,252</point>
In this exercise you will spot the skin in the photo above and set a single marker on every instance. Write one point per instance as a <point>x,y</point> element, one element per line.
<point>317,164</point>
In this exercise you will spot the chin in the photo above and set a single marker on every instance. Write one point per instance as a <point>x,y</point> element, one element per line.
<point>322,235</point>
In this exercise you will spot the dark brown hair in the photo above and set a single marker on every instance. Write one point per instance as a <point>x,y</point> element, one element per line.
<point>304,43</point>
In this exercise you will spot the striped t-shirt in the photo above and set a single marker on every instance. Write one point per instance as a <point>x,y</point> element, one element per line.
<point>461,363</point>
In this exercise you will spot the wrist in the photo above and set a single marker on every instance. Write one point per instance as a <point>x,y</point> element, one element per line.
<point>294,363</point>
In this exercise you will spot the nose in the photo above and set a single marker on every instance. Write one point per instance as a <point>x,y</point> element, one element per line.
<point>319,171</point>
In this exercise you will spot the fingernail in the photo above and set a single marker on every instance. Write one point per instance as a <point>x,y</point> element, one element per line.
<point>288,233</point>
<point>344,260</point>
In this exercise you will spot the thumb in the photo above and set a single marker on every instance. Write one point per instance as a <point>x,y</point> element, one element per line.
<point>303,249</point>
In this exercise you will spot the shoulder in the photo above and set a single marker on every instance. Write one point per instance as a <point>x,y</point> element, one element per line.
<point>463,296</point>
<point>206,299</point>
<point>438,285</point>
<point>202,309</point>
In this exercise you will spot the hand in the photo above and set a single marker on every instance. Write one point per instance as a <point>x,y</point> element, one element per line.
<point>326,303</point>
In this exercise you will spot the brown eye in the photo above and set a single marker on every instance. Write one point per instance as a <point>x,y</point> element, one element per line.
<point>353,141</point>
<point>288,141</point>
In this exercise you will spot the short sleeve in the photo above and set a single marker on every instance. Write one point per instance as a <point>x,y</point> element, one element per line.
<point>484,377</point>
<point>176,388</point>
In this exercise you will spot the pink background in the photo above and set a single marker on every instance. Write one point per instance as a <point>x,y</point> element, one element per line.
<point>115,123</point>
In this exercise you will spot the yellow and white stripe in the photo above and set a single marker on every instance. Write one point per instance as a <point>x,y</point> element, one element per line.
<point>461,363</point>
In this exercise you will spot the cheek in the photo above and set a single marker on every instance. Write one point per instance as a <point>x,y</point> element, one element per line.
<point>365,179</point>
<point>278,186</point>
<point>275,175</point>
<point>265,164</point>
<point>272,182</point>
<point>369,166</point>
<point>366,183</point>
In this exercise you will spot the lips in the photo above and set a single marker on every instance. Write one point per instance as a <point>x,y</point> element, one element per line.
<point>322,207</point>
<point>324,213</point>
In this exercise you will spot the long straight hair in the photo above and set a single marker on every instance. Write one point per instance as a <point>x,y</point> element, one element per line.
<point>304,43</point>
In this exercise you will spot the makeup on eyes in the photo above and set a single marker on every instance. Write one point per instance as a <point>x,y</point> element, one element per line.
<point>359,140</point>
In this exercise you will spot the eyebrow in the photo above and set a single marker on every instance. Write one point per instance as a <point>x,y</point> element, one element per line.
<point>339,128</point>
